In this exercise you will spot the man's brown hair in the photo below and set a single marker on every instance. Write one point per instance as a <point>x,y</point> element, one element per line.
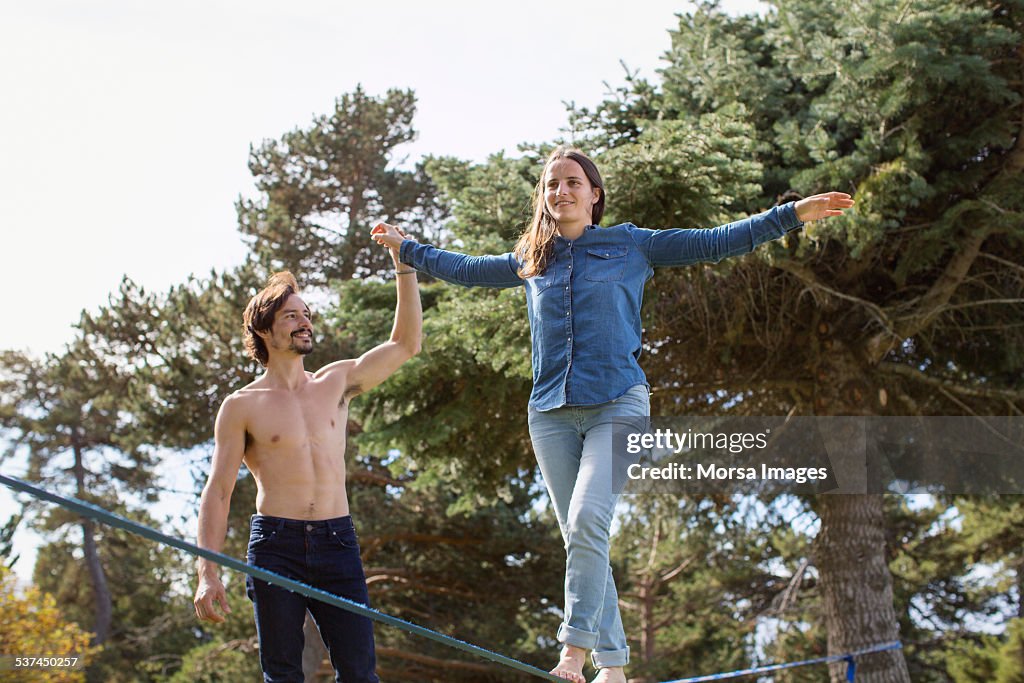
<point>259,313</point>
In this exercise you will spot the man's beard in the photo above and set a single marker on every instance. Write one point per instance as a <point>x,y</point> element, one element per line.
<point>304,350</point>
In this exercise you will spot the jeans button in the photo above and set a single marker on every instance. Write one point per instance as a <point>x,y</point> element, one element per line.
<point>309,527</point>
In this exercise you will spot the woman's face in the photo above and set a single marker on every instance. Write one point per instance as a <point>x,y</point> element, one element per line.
<point>568,194</point>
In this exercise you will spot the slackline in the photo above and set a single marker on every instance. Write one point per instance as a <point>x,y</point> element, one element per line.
<point>111,519</point>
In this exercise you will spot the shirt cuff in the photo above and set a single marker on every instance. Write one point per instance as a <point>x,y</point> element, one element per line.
<point>787,214</point>
<point>405,252</point>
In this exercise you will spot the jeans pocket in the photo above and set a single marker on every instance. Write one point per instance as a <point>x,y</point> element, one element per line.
<point>637,397</point>
<point>345,539</point>
<point>343,556</point>
<point>260,537</point>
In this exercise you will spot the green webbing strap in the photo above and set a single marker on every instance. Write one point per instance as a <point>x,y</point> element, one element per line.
<point>109,518</point>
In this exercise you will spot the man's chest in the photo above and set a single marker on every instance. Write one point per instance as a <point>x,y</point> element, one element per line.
<point>298,422</point>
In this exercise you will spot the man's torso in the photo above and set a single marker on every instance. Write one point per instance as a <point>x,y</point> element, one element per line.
<point>295,448</point>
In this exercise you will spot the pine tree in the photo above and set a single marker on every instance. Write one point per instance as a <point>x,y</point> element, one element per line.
<point>910,305</point>
<point>67,415</point>
<point>322,186</point>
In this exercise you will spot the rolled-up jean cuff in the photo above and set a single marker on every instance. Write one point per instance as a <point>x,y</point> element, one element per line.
<point>609,658</point>
<point>577,637</point>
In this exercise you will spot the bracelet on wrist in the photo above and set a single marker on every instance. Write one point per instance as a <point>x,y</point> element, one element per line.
<point>405,272</point>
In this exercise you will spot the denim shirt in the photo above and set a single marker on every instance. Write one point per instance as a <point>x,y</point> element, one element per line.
<point>584,310</point>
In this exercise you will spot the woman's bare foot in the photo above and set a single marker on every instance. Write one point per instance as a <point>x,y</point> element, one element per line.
<point>613,674</point>
<point>570,664</point>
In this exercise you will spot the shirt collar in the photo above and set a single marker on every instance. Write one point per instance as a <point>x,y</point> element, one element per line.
<point>562,241</point>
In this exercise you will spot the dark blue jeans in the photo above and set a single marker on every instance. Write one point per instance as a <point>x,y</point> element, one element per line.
<point>325,555</point>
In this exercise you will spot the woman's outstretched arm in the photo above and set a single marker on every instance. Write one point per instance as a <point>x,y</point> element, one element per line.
<point>451,266</point>
<point>681,247</point>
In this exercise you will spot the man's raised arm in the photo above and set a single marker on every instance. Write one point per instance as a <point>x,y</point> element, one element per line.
<point>380,362</point>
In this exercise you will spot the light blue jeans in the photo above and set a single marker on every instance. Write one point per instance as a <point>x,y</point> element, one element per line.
<point>573,445</point>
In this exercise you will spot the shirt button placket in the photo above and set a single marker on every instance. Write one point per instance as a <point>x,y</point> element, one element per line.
<point>568,323</point>
<point>568,312</point>
<point>568,305</point>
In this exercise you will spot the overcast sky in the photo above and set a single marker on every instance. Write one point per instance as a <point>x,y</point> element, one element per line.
<point>125,127</point>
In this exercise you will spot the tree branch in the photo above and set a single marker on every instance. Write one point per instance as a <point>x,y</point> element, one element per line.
<point>939,383</point>
<point>984,302</point>
<point>675,572</point>
<point>399,579</point>
<point>434,661</point>
<point>1002,261</point>
<point>366,477</point>
<point>742,386</point>
<point>807,276</point>
<point>934,301</point>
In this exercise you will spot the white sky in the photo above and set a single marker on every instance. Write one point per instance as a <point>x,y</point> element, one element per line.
<point>125,126</point>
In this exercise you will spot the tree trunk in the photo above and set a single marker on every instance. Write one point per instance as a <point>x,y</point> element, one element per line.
<point>648,639</point>
<point>850,552</point>
<point>101,591</point>
<point>856,587</point>
<point>354,238</point>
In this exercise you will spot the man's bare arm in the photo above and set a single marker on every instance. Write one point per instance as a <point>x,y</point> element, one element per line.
<point>229,447</point>
<point>380,362</point>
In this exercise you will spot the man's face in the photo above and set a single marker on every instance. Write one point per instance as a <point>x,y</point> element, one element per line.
<point>292,330</point>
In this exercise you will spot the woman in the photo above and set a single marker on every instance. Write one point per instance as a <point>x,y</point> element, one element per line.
<point>584,286</point>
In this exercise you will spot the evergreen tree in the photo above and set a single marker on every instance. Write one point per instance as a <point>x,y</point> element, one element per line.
<point>993,534</point>
<point>185,352</point>
<point>449,516</point>
<point>909,305</point>
<point>66,413</point>
<point>322,186</point>
<point>182,350</point>
<point>466,393</point>
<point>490,575</point>
<point>150,631</point>
<point>694,576</point>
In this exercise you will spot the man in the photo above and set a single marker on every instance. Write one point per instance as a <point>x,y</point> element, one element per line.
<point>288,427</point>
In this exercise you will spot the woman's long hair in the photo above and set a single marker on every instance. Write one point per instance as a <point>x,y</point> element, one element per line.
<point>536,244</point>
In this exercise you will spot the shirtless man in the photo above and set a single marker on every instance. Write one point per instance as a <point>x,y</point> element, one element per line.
<point>288,427</point>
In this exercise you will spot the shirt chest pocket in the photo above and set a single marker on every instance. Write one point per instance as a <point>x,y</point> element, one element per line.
<point>604,265</point>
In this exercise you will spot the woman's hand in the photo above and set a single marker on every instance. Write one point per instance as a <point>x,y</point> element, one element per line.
<point>819,206</point>
<point>390,236</point>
